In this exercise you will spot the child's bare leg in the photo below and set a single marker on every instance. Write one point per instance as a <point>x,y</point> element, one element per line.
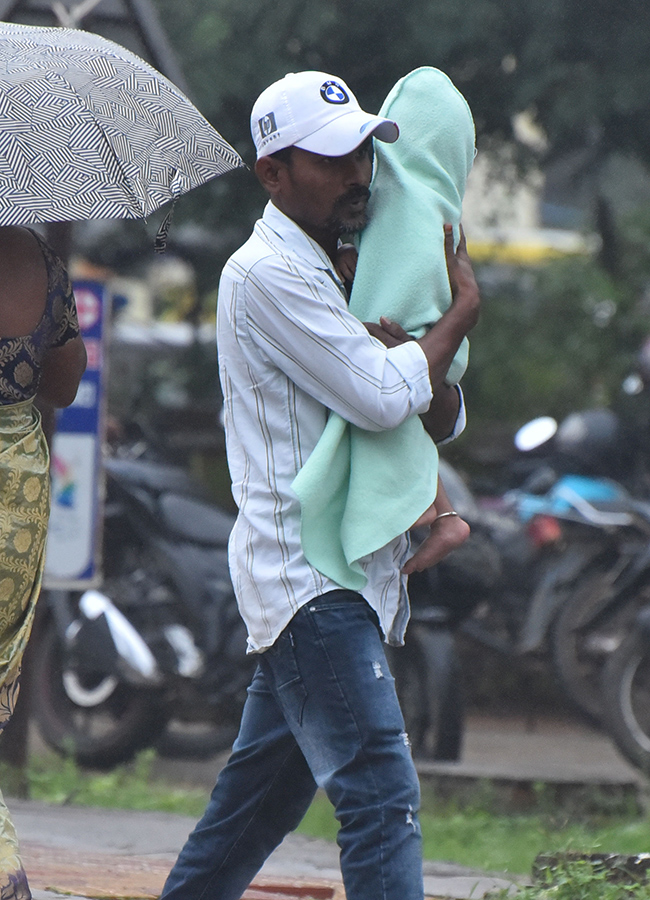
<point>447,531</point>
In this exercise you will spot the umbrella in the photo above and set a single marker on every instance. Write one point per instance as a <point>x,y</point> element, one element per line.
<point>88,130</point>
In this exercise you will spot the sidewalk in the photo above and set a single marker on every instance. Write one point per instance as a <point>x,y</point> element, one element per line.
<point>110,853</point>
<point>93,853</point>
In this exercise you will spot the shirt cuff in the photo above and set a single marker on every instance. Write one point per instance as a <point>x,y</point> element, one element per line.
<point>461,419</point>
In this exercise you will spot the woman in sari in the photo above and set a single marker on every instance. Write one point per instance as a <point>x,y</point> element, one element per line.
<point>41,356</point>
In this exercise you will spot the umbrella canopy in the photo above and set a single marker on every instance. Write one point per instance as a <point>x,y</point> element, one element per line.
<point>88,130</point>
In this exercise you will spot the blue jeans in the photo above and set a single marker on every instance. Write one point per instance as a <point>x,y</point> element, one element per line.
<point>321,711</point>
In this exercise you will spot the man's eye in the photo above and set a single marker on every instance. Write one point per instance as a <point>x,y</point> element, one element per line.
<point>365,150</point>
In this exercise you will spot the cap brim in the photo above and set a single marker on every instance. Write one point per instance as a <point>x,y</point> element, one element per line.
<point>347,132</point>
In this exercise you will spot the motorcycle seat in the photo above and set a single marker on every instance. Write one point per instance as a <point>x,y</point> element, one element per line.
<point>196,521</point>
<point>152,475</point>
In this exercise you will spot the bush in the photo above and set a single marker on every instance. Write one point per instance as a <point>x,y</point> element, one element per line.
<point>550,340</point>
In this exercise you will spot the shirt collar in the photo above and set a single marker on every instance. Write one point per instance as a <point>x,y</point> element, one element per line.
<point>297,240</point>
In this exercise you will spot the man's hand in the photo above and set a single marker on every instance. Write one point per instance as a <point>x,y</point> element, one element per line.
<point>464,289</point>
<point>388,332</point>
<point>440,418</point>
<point>447,531</point>
<point>441,342</point>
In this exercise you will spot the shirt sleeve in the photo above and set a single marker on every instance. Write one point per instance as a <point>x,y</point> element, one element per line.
<point>64,312</point>
<point>304,327</point>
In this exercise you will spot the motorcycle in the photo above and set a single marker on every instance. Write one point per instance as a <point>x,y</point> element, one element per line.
<point>626,692</point>
<point>605,533</point>
<point>157,656</point>
<point>500,590</point>
<point>428,666</point>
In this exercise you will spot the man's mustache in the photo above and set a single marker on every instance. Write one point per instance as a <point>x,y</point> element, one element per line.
<point>355,193</point>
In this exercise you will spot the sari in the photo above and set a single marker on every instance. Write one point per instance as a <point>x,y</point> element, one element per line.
<point>24,511</point>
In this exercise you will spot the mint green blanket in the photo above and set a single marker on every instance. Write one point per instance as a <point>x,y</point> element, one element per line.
<point>359,490</point>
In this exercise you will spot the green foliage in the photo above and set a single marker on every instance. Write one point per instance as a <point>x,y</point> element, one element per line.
<point>550,340</point>
<point>635,253</point>
<point>582,69</point>
<point>579,880</point>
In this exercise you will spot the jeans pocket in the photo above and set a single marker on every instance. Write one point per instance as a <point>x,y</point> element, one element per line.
<point>285,675</point>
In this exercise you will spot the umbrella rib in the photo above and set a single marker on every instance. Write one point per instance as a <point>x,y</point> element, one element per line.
<point>127,181</point>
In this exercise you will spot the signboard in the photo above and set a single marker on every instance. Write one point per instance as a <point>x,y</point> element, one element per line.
<point>73,554</point>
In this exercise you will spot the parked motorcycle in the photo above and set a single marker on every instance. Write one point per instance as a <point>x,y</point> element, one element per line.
<point>429,665</point>
<point>605,533</point>
<point>626,693</point>
<point>500,590</point>
<point>159,652</point>
<point>157,655</point>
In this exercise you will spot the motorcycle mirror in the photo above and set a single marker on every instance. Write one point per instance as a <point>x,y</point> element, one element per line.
<point>535,433</point>
<point>632,385</point>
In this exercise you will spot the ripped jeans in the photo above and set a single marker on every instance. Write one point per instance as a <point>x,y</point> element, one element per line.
<point>321,711</point>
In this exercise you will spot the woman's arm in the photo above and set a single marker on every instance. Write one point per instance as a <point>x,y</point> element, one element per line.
<point>61,372</point>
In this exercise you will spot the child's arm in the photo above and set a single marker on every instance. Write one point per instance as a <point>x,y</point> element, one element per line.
<point>346,262</point>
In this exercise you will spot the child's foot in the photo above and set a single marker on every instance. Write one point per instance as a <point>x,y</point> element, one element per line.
<point>445,534</point>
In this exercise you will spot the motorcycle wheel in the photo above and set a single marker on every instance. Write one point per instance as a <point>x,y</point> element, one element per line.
<point>585,634</point>
<point>195,740</point>
<point>99,721</point>
<point>626,689</point>
<point>428,684</point>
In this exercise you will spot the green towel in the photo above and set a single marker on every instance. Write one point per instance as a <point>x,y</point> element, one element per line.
<point>359,490</point>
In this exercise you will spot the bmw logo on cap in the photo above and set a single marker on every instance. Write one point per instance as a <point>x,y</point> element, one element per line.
<point>332,92</point>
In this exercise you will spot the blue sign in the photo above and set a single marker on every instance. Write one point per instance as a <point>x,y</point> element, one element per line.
<point>73,557</point>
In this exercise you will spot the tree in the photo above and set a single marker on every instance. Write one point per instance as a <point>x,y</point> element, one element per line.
<point>581,69</point>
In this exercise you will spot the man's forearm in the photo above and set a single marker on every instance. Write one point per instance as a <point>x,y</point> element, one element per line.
<point>440,344</point>
<point>440,419</point>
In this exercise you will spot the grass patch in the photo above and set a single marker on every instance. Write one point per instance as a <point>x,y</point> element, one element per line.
<point>480,839</point>
<point>469,836</point>
<point>52,779</point>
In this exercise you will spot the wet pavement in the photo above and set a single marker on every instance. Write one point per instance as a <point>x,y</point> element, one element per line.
<point>97,853</point>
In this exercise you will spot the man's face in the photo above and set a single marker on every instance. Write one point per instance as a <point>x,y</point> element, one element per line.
<point>326,195</point>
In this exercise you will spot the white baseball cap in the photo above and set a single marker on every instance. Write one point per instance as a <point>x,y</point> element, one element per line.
<point>316,112</point>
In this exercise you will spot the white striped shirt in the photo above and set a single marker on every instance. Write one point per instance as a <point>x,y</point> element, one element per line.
<point>289,351</point>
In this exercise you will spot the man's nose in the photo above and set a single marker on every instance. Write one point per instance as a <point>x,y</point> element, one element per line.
<point>357,168</point>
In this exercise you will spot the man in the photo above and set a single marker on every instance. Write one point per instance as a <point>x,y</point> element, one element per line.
<point>322,708</point>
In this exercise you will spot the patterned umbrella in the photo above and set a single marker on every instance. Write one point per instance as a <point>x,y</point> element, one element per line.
<point>88,130</point>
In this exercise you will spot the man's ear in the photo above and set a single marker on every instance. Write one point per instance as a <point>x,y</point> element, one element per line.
<point>267,170</point>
